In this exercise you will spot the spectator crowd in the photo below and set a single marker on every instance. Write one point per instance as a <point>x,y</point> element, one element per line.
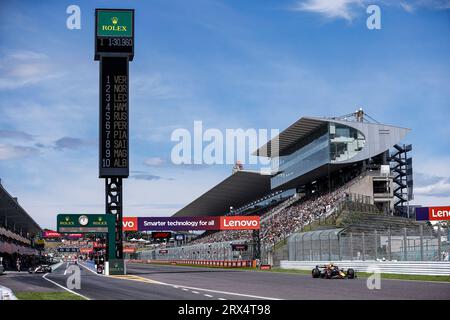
<point>278,224</point>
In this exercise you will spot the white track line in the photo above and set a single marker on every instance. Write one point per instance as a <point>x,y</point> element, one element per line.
<point>200,289</point>
<point>67,289</point>
<point>89,269</point>
<point>221,292</point>
<point>208,295</point>
<point>225,292</point>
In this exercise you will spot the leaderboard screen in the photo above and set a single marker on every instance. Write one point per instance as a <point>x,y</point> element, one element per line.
<point>114,122</point>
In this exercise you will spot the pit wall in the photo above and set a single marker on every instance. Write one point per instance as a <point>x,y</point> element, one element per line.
<point>205,263</point>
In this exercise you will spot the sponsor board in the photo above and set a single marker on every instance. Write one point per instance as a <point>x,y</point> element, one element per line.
<point>130,224</point>
<point>177,223</point>
<point>265,267</point>
<point>114,33</point>
<point>198,223</point>
<point>117,23</point>
<point>179,237</point>
<point>433,213</point>
<point>161,235</point>
<point>239,223</point>
<point>51,234</point>
<point>116,266</point>
<point>239,247</point>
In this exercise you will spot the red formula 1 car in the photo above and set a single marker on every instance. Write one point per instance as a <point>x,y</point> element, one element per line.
<point>331,271</point>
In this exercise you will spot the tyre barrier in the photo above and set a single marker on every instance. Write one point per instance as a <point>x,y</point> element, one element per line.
<point>205,263</point>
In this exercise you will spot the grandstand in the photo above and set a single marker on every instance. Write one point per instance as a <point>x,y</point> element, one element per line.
<point>322,164</point>
<point>18,232</point>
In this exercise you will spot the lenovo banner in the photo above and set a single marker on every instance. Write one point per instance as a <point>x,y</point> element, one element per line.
<point>433,213</point>
<point>239,223</point>
<point>51,234</point>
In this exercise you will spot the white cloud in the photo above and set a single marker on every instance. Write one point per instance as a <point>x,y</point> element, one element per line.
<point>23,68</point>
<point>349,9</point>
<point>406,6</point>
<point>411,5</point>
<point>8,152</point>
<point>438,189</point>
<point>330,8</point>
<point>154,162</point>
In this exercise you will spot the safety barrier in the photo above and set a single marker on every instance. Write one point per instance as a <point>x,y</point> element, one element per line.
<point>7,294</point>
<point>205,263</point>
<point>397,267</point>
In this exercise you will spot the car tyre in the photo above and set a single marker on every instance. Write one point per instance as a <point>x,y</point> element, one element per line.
<point>315,273</point>
<point>351,274</point>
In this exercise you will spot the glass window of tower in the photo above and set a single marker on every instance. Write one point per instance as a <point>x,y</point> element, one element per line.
<point>345,142</point>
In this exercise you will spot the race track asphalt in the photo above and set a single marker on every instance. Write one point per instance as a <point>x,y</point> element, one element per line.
<point>290,286</point>
<point>168,282</point>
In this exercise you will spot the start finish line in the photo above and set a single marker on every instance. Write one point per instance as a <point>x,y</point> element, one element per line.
<point>191,223</point>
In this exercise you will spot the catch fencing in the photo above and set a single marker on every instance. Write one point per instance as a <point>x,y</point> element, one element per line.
<point>402,244</point>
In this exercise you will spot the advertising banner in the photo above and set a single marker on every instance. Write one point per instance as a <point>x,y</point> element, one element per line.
<point>130,224</point>
<point>178,223</point>
<point>198,223</point>
<point>51,234</point>
<point>239,223</point>
<point>433,213</point>
<point>114,33</point>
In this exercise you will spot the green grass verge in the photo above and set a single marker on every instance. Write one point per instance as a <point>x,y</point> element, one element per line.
<point>28,295</point>
<point>366,275</point>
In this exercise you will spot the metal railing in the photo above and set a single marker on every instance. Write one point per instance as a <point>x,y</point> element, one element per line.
<point>398,267</point>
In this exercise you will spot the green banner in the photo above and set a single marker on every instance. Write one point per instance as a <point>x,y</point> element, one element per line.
<point>114,23</point>
<point>116,266</point>
<point>84,223</point>
<point>89,223</point>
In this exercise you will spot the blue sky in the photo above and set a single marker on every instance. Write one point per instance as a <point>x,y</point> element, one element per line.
<point>231,64</point>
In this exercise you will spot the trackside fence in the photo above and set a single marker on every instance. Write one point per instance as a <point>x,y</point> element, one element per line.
<point>402,244</point>
<point>217,251</point>
<point>206,263</point>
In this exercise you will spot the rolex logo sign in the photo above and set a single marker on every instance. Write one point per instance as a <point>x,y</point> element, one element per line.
<point>114,26</point>
<point>114,23</point>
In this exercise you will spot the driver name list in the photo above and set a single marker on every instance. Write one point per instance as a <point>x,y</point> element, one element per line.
<point>114,129</point>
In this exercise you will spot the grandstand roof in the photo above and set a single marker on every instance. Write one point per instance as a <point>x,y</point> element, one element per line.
<point>307,125</point>
<point>237,190</point>
<point>15,215</point>
<point>295,132</point>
